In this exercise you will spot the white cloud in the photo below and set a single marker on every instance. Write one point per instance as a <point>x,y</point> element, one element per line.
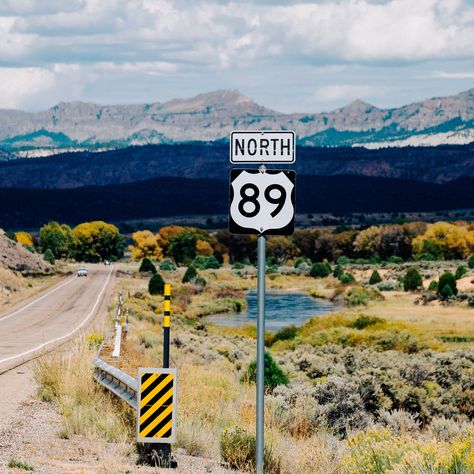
<point>453,75</point>
<point>205,39</point>
<point>24,85</point>
<point>344,92</point>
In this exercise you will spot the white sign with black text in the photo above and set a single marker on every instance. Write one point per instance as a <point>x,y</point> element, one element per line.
<point>262,147</point>
<point>262,202</point>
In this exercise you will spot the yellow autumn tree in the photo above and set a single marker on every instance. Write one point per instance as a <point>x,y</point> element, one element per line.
<point>146,246</point>
<point>24,239</point>
<point>204,248</point>
<point>97,241</point>
<point>167,234</point>
<point>367,243</point>
<point>443,240</point>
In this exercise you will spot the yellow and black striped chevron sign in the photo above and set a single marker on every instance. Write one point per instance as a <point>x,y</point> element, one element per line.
<point>156,418</point>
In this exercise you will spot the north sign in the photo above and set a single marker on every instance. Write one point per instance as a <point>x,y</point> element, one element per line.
<point>262,146</point>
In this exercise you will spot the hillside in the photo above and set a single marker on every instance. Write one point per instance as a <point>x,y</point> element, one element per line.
<point>20,208</point>
<point>14,256</point>
<point>211,160</point>
<point>211,116</point>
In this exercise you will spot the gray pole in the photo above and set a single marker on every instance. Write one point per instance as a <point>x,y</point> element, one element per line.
<point>260,351</point>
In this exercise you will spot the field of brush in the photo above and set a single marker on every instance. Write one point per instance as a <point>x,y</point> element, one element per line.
<point>383,385</point>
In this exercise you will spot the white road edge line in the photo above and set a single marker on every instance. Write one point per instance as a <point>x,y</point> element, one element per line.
<point>69,334</point>
<point>8,316</point>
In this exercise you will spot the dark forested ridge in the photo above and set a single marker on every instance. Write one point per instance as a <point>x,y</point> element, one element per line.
<point>211,160</point>
<point>161,197</point>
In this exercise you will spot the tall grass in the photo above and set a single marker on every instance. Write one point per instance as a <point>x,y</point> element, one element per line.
<point>66,380</point>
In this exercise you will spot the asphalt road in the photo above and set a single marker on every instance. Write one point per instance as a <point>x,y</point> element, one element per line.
<point>53,317</point>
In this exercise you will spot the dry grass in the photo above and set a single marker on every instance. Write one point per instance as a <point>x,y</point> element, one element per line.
<point>66,380</point>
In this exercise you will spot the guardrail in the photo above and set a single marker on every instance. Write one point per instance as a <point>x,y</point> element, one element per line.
<point>113,379</point>
<point>118,382</point>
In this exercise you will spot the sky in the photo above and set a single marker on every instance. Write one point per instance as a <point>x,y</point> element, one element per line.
<point>291,56</point>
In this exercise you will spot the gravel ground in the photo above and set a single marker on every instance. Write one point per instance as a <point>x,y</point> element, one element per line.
<point>32,437</point>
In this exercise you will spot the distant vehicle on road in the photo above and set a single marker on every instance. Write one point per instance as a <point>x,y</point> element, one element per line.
<point>82,272</point>
<point>106,262</point>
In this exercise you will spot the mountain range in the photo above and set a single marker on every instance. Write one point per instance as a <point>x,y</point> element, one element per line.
<point>73,126</point>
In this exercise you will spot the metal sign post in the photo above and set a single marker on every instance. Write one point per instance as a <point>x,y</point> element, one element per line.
<point>262,202</point>
<point>260,351</point>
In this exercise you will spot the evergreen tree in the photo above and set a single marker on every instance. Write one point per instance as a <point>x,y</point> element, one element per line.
<point>190,275</point>
<point>375,278</point>
<point>147,266</point>
<point>412,280</point>
<point>273,374</point>
<point>156,285</point>
<point>447,279</point>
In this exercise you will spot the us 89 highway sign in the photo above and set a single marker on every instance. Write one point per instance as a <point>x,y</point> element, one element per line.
<point>262,202</point>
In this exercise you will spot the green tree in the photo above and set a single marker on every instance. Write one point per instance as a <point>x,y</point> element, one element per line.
<point>49,256</point>
<point>375,278</point>
<point>412,280</point>
<point>156,285</point>
<point>182,247</point>
<point>273,374</point>
<point>190,275</point>
<point>320,270</point>
<point>338,271</point>
<point>147,266</point>
<point>447,279</point>
<point>446,292</point>
<point>58,238</point>
<point>470,262</point>
<point>97,241</point>
<point>460,272</point>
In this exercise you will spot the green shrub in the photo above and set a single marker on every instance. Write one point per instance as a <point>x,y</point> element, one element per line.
<point>284,334</point>
<point>149,340</point>
<point>364,321</point>
<point>427,257</point>
<point>15,463</point>
<point>200,281</point>
<point>49,256</point>
<point>238,266</point>
<point>395,259</point>
<point>412,280</point>
<point>202,262</point>
<point>147,266</point>
<point>347,279</point>
<point>447,279</point>
<point>274,375</point>
<point>446,292</point>
<point>433,286</point>
<point>338,271</point>
<point>238,449</point>
<point>470,261</point>
<point>358,295</point>
<point>190,275</point>
<point>11,236</point>
<point>167,265</point>
<point>460,272</point>
<point>386,286</point>
<point>375,278</point>
<point>156,285</point>
<point>320,270</point>
<point>300,261</point>
<point>343,260</point>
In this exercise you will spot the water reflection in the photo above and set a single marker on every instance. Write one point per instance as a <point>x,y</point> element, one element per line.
<point>281,309</point>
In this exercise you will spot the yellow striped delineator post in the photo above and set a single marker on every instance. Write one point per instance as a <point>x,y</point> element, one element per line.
<point>166,325</point>
<point>157,399</point>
